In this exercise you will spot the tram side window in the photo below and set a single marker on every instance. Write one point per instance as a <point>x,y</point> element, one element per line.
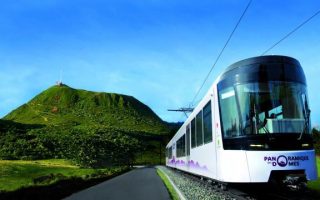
<point>167,152</point>
<point>181,147</point>
<point>178,149</point>
<point>193,133</point>
<point>170,152</point>
<point>229,113</point>
<point>207,123</point>
<point>188,139</point>
<point>199,129</point>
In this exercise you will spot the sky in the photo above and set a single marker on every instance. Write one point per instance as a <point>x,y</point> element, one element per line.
<point>158,51</point>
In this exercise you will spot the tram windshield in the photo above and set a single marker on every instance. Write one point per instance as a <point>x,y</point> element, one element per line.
<point>264,108</point>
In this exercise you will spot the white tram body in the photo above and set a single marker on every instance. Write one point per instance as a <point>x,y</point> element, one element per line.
<point>253,124</point>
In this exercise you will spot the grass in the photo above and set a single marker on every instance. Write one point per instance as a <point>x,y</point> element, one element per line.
<point>18,173</point>
<point>315,185</point>
<point>173,194</point>
<point>151,156</point>
<point>67,106</point>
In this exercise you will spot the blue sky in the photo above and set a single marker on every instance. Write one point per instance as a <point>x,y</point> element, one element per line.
<point>158,51</point>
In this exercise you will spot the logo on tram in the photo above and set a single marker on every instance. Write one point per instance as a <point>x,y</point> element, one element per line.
<point>283,161</point>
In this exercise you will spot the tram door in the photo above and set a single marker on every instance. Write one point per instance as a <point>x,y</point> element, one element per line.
<point>188,145</point>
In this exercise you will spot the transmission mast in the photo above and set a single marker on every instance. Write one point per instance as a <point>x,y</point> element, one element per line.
<point>59,83</point>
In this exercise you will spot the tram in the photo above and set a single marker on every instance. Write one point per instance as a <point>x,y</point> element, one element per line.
<point>252,126</point>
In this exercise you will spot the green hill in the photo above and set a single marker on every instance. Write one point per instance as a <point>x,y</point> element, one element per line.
<point>90,128</point>
<point>65,106</point>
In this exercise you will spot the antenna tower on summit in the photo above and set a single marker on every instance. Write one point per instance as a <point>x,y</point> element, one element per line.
<point>59,83</point>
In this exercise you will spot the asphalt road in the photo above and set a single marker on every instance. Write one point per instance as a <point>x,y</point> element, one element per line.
<point>138,184</point>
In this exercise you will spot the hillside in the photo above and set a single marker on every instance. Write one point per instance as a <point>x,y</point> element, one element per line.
<point>90,128</point>
<point>65,106</point>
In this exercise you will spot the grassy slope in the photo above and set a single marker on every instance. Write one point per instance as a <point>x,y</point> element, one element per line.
<point>171,190</point>
<point>17,174</point>
<point>67,110</point>
<point>72,107</point>
<point>315,185</point>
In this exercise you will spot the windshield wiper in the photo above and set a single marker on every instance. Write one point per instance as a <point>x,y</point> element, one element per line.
<point>306,123</point>
<point>263,126</point>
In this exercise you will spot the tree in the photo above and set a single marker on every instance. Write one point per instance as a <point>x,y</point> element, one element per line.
<point>316,138</point>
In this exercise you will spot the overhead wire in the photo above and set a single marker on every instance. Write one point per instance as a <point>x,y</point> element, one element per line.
<point>233,31</point>
<point>291,32</point>
<point>222,50</point>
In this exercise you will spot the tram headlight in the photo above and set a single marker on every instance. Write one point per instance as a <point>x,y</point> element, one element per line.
<point>259,146</point>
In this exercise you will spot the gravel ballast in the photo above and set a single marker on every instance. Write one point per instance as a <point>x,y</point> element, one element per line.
<point>193,188</point>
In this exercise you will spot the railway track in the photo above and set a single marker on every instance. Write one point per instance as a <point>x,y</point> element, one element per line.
<point>249,191</point>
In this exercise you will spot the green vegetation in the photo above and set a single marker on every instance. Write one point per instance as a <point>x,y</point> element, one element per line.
<point>171,190</point>
<point>65,106</point>
<point>17,174</point>
<point>91,129</point>
<point>315,185</point>
<point>88,148</point>
<point>316,138</point>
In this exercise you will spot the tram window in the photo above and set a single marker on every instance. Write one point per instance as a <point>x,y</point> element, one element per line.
<point>199,129</point>
<point>229,113</point>
<point>193,133</point>
<point>167,152</point>
<point>170,152</point>
<point>276,113</point>
<point>207,123</point>
<point>183,145</point>
<point>181,148</point>
<point>188,139</point>
<point>178,149</point>
<point>271,107</point>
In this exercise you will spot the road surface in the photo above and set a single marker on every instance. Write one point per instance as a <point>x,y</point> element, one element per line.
<point>138,184</point>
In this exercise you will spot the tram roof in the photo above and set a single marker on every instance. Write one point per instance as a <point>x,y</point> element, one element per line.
<point>263,60</point>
